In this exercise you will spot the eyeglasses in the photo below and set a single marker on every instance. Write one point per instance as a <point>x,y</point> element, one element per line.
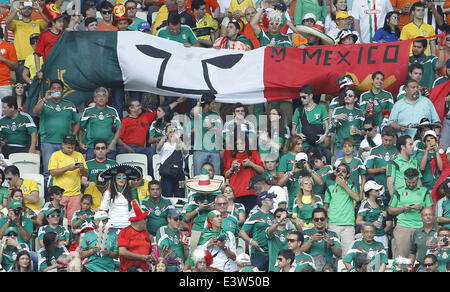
<point>11,234</point>
<point>307,182</point>
<point>321,219</point>
<point>8,178</point>
<point>131,8</point>
<point>107,12</point>
<point>54,215</point>
<point>368,129</point>
<point>222,204</point>
<point>121,177</point>
<point>291,240</point>
<point>100,148</point>
<point>428,264</point>
<point>341,170</point>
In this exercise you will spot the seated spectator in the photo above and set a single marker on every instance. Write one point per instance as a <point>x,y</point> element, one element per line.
<point>319,166</point>
<point>441,250</point>
<point>343,22</point>
<point>270,168</point>
<point>131,7</point>
<point>53,216</point>
<point>121,19</point>
<point>443,206</point>
<point>431,263</point>
<point>12,249</point>
<point>157,129</point>
<point>85,214</point>
<point>106,11</point>
<point>206,25</point>
<point>175,31</point>
<point>88,10</point>
<point>186,17</point>
<point>233,38</point>
<point>100,160</point>
<point>260,184</point>
<point>96,190</point>
<point>55,195</point>
<point>250,12</point>
<point>306,201</point>
<point>140,186</point>
<point>319,9</point>
<point>390,32</point>
<point>302,259</point>
<point>162,15</point>
<point>286,260</point>
<point>272,37</point>
<point>16,194</point>
<point>50,252</point>
<point>22,224</point>
<point>91,24</point>
<point>23,263</point>
<point>29,188</point>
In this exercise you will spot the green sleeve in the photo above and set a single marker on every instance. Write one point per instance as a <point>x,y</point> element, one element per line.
<point>428,200</point>
<point>298,13</point>
<point>394,200</point>
<point>327,197</point>
<point>296,117</point>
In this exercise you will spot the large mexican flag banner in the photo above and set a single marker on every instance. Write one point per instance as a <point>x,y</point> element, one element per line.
<point>142,62</point>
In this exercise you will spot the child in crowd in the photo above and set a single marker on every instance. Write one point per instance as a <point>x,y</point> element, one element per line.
<point>85,214</point>
<point>323,170</point>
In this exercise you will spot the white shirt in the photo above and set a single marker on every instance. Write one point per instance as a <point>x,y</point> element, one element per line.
<point>366,11</point>
<point>117,210</point>
<point>365,144</point>
<point>221,260</point>
<point>281,196</point>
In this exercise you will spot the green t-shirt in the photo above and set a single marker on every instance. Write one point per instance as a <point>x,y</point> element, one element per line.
<point>27,224</point>
<point>304,260</point>
<point>325,173</point>
<point>237,209</point>
<point>135,25</point>
<point>442,257</point>
<point>9,255</point>
<point>440,80</point>
<point>357,168</point>
<point>371,215</point>
<point>94,167</point>
<point>168,237</point>
<point>63,233</point>
<point>76,216</point>
<point>99,124</point>
<point>379,157</point>
<point>56,120</point>
<point>405,196</point>
<point>3,194</point>
<point>382,100</point>
<point>60,250</point>
<point>341,209</point>
<point>419,242</point>
<point>396,168</point>
<point>157,215</point>
<point>276,242</point>
<point>305,211</point>
<point>98,262</point>
<point>206,140</point>
<point>318,115</point>
<point>429,68</point>
<point>375,252</point>
<point>355,118</point>
<point>186,35</point>
<point>429,178</point>
<point>443,209</point>
<point>197,199</point>
<point>321,247</point>
<point>279,40</point>
<point>17,132</point>
<point>256,226</point>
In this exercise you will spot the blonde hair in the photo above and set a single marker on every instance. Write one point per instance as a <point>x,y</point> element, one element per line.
<point>291,142</point>
<point>299,198</point>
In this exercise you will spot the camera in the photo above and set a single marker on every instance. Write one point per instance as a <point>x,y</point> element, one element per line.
<point>445,241</point>
<point>17,212</point>
<point>300,164</point>
<point>55,94</point>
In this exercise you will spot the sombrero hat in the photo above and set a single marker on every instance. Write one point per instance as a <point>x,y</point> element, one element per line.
<point>120,13</point>
<point>203,184</point>
<point>132,172</point>
<point>316,30</point>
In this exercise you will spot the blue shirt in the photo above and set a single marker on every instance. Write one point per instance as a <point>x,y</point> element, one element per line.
<point>382,34</point>
<point>404,113</point>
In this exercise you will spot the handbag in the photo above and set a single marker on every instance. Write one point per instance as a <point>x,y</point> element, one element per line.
<point>311,131</point>
<point>173,166</point>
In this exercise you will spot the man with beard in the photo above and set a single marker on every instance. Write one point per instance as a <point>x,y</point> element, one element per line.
<point>430,63</point>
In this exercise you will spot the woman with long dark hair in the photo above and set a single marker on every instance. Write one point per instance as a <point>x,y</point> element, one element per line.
<point>23,262</point>
<point>157,129</point>
<point>49,254</point>
<point>390,32</point>
<point>272,139</point>
<point>20,94</point>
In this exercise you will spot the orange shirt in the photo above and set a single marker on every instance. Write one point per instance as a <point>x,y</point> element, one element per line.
<point>35,15</point>
<point>248,32</point>
<point>447,15</point>
<point>399,4</point>
<point>442,71</point>
<point>3,15</point>
<point>109,27</point>
<point>7,51</point>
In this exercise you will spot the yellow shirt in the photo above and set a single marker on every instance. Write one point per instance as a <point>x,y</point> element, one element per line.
<point>28,186</point>
<point>97,196</point>
<point>70,181</point>
<point>22,31</point>
<point>31,65</point>
<point>143,190</point>
<point>206,21</point>
<point>163,14</point>
<point>234,5</point>
<point>412,31</point>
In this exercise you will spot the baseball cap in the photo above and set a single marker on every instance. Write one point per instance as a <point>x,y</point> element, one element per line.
<point>429,132</point>
<point>55,190</point>
<point>11,229</point>
<point>51,211</point>
<point>143,26</point>
<point>342,14</point>
<point>372,185</point>
<point>15,204</point>
<point>34,36</point>
<point>265,195</point>
<point>281,6</point>
<point>309,16</point>
<point>255,179</point>
<point>173,213</point>
<point>243,259</point>
<point>101,215</point>
<point>69,139</point>
<point>301,156</point>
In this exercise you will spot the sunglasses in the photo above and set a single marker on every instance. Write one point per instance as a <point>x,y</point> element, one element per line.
<point>177,218</point>
<point>121,177</point>
<point>321,219</point>
<point>222,204</point>
<point>11,234</point>
<point>394,17</point>
<point>54,215</point>
<point>368,129</point>
<point>448,40</point>
<point>307,182</point>
<point>107,12</point>
<point>100,148</point>
<point>350,95</point>
<point>428,265</point>
<point>131,8</point>
<point>303,96</point>
<point>280,259</point>
<point>341,170</point>
<point>291,240</point>
<point>8,178</point>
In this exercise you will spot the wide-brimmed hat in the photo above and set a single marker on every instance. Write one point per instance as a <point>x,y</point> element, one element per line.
<point>316,30</point>
<point>120,13</point>
<point>344,33</point>
<point>203,184</point>
<point>425,123</point>
<point>132,172</point>
<point>139,214</point>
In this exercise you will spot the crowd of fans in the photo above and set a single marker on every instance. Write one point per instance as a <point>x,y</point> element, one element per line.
<point>359,179</point>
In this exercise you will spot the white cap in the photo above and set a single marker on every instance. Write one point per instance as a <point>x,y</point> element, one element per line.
<point>301,156</point>
<point>101,215</point>
<point>372,185</point>
<point>430,132</point>
<point>309,16</point>
<point>243,259</point>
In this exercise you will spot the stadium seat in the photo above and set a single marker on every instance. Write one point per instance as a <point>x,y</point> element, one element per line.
<point>148,177</point>
<point>156,165</point>
<point>26,162</point>
<point>191,165</point>
<point>135,159</point>
<point>39,179</point>
<point>341,266</point>
<point>178,202</point>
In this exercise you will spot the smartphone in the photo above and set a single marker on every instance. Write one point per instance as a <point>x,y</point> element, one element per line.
<point>28,4</point>
<point>55,94</point>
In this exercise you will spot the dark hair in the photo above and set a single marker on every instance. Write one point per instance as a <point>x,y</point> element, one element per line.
<point>2,34</point>
<point>299,235</point>
<point>49,239</point>
<point>100,141</point>
<point>173,18</point>
<point>279,210</point>
<point>415,66</point>
<point>134,268</point>
<point>128,103</point>
<point>105,5</point>
<point>197,3</point>
<point>206,99</point>
<point>87,197</point>
<point>12,169</point>
<point>328,266</point>
<point>388,131</point>
<point>114,192</point>
<point>57,81</point>
<point>387,27</point>
<point>415,5</point>
<point>2,174</point>
<point>89,20</point>
<point>16,266</point>
<point>343,93</point>
<point>287,254</point>
<point>420,39</point>
<point>308,89</point>
<point>333,16</point>
<point>281,126</point>
<point>319,210</point>
<point>238,134</point>
<point>360,260</point>
<point>374,74</point>
<point>411,172</point>
<point>168,115</point>
<point>443,228</point>
<point>238,105</point>
<point>432,257</point>
<point>401,141</point>
<point>10,101</point>
<point>130,1</point>
<point>154,182</point>
<point>370,120</point>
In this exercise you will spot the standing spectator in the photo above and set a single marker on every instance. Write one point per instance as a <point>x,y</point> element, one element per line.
<point>88,10</point>
<point>443,205</point>
<point>162,15</point>
<point>339,203</point>
<point>427,157</point>
<point>254,231</point>
<point>417,27</point>
<point>347,120</point>
<point>343,23</point>
<point>29,187</point>
<point>100,161</point>
<point>23,29</point>
<point>55,195</point>
<point>134,242</point>
<point>233,38</point>
<point>85,215</point>
<point>17,129</point>
<point>131,6</point>
<point>29,68</point>
<point>302,259</point>
<point>240,123</point>
<point>118,197</point>
<point>371,140</point>
<point>234,209</point>
<point>403,8</point>
<point>100,121</point>
<point>322,244</point>
<point>272,139</point>
<point>206,25</point>
<point>424,238</point>
<point>229,221</point>
<point>411,109</point>
<point>186,17</point>
<point>56,118</point>
<point>157,129</point>
<point>157,206</point>
<point>430,263</point>
<point>106,10</point>
<point>434,15</point>
<point>250,12</point>
<point>336,7</point>
<point>318,8</point>
<point>261,184</point>
<point>415,71</point>
<point>375,251</point>
<point>273,36</point>
<point>406,203</point>
<point>134,130</point>
<point>390,32</point>
<point>8,61</point>
<point>50,252</point>
<point>368,17</point>
<point>431,64</point>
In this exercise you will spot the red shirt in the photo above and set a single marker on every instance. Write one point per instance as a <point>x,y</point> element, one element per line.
<point>134,131</point>
<point>240,181</point>
<point>136,242</point>
<point>45,43</point>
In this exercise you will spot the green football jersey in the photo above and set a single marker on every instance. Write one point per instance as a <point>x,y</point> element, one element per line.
<point>98,262</point>
<point>157,215</point>
<point>56,120</point>
<point>276,242</point>
<point>379,157</point>
<point>99,124</point>
<point>94,167</point>
<point>355,118</point>
<point>17,132</point>
<point>375,252</point>
<point>256,226</point>
<point>341,209</point>
<point>380,101</point>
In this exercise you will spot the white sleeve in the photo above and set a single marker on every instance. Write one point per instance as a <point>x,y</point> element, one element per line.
<point>355,9</point>
<point>105,204</point>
